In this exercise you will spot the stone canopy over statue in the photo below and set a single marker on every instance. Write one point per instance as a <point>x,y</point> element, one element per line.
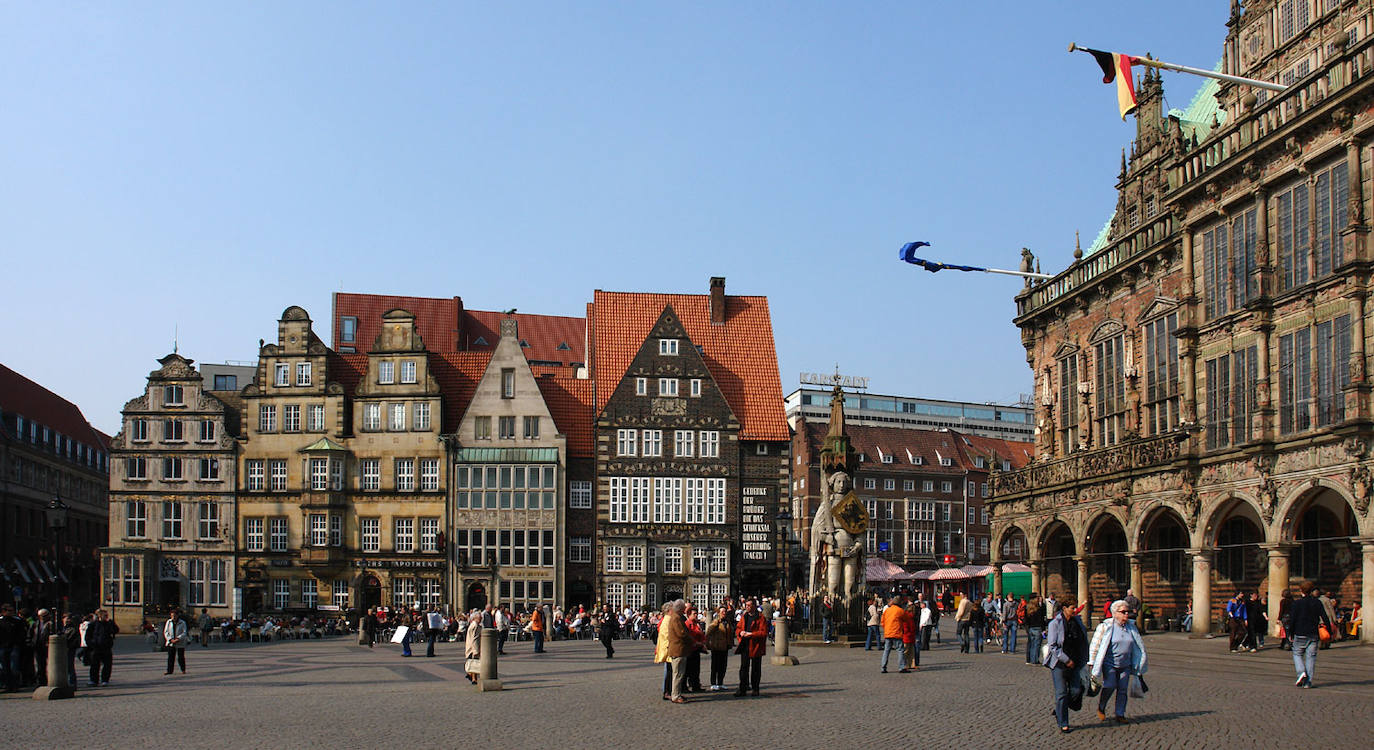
<point>838,556</point>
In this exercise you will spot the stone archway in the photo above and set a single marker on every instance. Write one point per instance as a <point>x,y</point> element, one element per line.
<point>1236,532</point>
<point>1166,573</point>
<point>1013,545</point>
<point>1109,568</point>
<point>1317,536</point>
<point>1058,553</point>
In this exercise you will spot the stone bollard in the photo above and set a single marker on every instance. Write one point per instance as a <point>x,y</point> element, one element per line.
<point>486,676</point>
<point>780,646</point>
<point>58,686</point>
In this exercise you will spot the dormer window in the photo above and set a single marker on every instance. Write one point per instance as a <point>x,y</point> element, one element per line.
<point>171,395</point>
<point>524,344</point>
<point>979,462</point>
<point>563,347</point>
<point>946,462</point>
<point>667,346</point>
<point>887,458</point>
<point>481,341</point>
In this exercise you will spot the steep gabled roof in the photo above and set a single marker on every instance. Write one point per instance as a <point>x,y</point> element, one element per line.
<point>1017,452</point>
<point>740,352</point>
<point>544,334</point>
<point>437,319</point>
<point>570,402</point>
<point>931,445</point>
<point>19,395</point>
<point>458,374</point>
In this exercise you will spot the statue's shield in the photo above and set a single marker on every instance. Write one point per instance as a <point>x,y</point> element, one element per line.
<point>850,514</point>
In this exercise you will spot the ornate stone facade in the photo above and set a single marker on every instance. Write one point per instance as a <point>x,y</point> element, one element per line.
<point>1202,400</point>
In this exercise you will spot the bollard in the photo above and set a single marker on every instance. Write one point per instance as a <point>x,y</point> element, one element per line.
<point>780,646</point>
<point>486,676</point>
<point>58,686</point>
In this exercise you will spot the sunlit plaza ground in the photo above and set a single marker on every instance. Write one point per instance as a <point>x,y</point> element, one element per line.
<point>334,693</point>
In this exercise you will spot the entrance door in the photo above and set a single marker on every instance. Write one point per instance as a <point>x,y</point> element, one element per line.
<point>369,593</point>
<point>669,595</point>
<point>580,592</point>
<point>477,597</point>
<point>169,594</point>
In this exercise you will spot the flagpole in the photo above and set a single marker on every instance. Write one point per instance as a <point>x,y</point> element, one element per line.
<point>1024,274</point>
<point>1266,85</point>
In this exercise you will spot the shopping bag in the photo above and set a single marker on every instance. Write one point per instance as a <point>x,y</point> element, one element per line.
<point>1323,633</point>
<point>1138,688</point>
<point>400,634</point>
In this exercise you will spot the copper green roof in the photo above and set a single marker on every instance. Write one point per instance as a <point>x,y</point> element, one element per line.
<point>323,444</point>
<point>506,455</point>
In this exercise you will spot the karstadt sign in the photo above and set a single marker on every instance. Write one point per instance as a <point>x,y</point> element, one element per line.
<point>845,381</point>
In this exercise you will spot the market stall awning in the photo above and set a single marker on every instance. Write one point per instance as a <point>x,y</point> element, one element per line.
<point>949,574</point>
<point>878,570</point>
<point>976,571</point>
<point>1015,568</point>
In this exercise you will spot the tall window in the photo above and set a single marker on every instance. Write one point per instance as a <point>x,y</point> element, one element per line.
<point>138,429</point>
<point>386,372</point>
<point>267,419</point>
<point>370,472</point>
<point>531,428</point>
<point>1243,240</point>
<point>171,520</point>
<point>1218,401</point>
<point>372,416</point>
<point>634,559</point>
<point>653,442</point>
<point>276,539</point>
<point>1332,191</point>
<point>281,374</point>
<point>715,501</point>
<point>506,427</point>
<point>277,472</point>
<point>579,549</point>
<point>315,418</point>
<point>640,499</point>
<point>281,592</point>
<point>136,468</point>
<point>123,580</point>
<point>319,530</point>
<point>1293,234</point>
<point>349,330</point>
<point>171,431</point>
<point>694,498</point>
<point>302,373</point>
<point>207,430</point>
<point>371,533</point>
<point>408,371</point>
<point>398,417</point>
<point>615,558</point>
<point>421,410</point>
<point>667,500</point>
<point>310,592</point>
<point>1068,403</point>
<point>405,474</point>
<point>135,519</point>
<point>579,494</point>
<point>209,520</point>
<point>405,535</point>
<point>291,418</point>
<point>340,589</point>
<point>319,474</point>
<point>1216,270</point>
<point>403,592</point>
<point>429,474</point>
<point>1161,374</point>
<point>710,444</point>
<point>172,395</point>
<point>1111,390</point>
<point>684,442</point>
<point>625,442</point>
<point>481,428</point>
<point>335,530</point>
<point>672,560</point>
<point>619,499</point>
<point>1333,369</point>
<point>252,532</point>
<point>1244,381</point>
<point>508,383</point>
<point>1295,381</point>
<point>429,535</point>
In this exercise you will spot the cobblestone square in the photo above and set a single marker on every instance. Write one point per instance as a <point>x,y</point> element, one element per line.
<point>335,693</point>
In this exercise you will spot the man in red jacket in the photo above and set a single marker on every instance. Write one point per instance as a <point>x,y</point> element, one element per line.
<point>752,633</point>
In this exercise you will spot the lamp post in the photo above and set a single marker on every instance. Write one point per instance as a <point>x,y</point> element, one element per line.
<point>783,518</point>
<point>58,684</point>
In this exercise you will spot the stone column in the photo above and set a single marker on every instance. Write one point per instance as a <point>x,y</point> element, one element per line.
<point>997,578</point>
<point>1138,586</point>
<point>1279,554</point>
<point>1037,576</point>
<point>1088,611</point>
<point>58,686</point>
<point>781,657</point>
<point>1202,590</point>
<point>487,679</point>
<point>1367,588</point>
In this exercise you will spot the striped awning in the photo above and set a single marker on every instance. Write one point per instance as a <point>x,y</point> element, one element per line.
<point>505,455</point>
<point>23,573</point>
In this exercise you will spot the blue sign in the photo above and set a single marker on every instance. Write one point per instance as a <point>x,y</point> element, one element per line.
<point>882,546</point>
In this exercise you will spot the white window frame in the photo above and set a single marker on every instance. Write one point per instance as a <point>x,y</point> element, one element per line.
<point>619,496</point>
<point>302,373</point>
<point>667,387</point>
<point>421,410</point>
<point>404,536</point>
<point>207,431</point>
<point>641,386</point>
<point>370,534</point>
<point>694,387</point>
<point>281,593</point>
<point>282,375</point>
<point>319,474</point>
<point>653,442</point>
<point>715,501</point>
<point>407,371</point>
<point>267,418</point>
<point>254,537</point>
<point>172,520</point>
<point>405,474</point>
<point>684,443</point>
<point>386,372</point>
<point>667,347</point>
<point>278,534</point>
<point>319,530</point>
<point>397,423</point>
<point>626,442</point>
<point>672,560</point>
<point>277,475</point>
<point>579,494</point>
<point>579,549</point>
<point>710,444</point>
<point>615,558</point>
<point>314,418</point>
<point>135,519</point>
<point>429,474</point>
<point>370,473</point>
<point>429,534</point>
<point>372,417</point>
<point>291,418</point>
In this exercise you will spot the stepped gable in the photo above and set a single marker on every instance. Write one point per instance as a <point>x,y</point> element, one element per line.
<point>570,402</point>
<point>739,351</point>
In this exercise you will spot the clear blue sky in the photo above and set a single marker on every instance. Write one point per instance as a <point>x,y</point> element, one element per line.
<point>201,167</point>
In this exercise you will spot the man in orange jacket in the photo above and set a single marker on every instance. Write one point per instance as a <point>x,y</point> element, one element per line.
<point>892,629</point>
<point>537,630</point>
<point>752,632</point>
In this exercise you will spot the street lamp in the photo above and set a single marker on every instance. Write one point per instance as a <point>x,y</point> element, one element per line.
<point>783,517</point>
<point>57,686</point>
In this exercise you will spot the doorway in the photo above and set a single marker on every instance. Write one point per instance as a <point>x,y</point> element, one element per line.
<point>369,593</point>
<point>477,597</point>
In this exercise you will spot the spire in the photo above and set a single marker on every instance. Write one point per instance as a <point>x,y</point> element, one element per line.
<point>1077,248</point>
<point>1123,163</point>
<point>837,454</point>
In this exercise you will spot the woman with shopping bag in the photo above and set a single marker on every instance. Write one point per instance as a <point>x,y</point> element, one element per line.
<point>1119,660</point>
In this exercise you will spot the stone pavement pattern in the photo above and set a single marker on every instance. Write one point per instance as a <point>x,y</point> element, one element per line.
<point>313,693</point>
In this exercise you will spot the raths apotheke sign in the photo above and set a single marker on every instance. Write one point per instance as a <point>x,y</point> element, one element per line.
<point>756,532</point>
<point>845,381</point>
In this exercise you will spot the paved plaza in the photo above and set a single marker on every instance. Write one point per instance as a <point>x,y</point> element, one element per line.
<point>334,693</point>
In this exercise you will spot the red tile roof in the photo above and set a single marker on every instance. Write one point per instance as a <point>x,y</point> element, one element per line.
<point>570,402</point>
<point>19,395</point>
<point>438,319</point>
<point>1017,452</point>
<point>930,445</point>
<point>544,334</point>
<point>347,370</point>
<point>739,353</point>
<point>458,374</point>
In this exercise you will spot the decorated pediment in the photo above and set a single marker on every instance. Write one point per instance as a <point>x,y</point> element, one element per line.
<point>1065,349</point>
<point>1161,306</point>
<point>1107,329</point>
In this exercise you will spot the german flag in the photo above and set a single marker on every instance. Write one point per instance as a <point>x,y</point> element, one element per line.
<point>1117,67</point>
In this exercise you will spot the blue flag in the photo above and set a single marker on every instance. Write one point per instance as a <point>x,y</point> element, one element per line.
<point>908,254</point>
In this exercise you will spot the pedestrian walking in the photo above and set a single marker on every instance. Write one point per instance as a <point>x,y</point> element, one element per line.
<point>1307,615</point>
<point>206,625</point>
<point>1035,628</point>
<point>928,618</point>
<point>1330,608</point>
<point>174,638</point>
<point>893,615</point>
<point>500,619</point>
<point>434,627</point>
<point>472,648</point>
<point>1132,606</point>
<point>720,638</point>
<point>672,649</point>
<point>1009,625</point>
<point>369,627</point>
<point>1120,658</point>
<point>1068,651</point>
<point>752,633</point>
<point>977,622</point>
<point>874,638</point>
<point>1285,620</point>
<point>1257,613</point>
<point>609,624</point>
<point>1235,613</point>
<point>962,617</point>
<point>100,636</point>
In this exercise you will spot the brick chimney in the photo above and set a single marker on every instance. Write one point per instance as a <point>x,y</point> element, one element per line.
<point>717,300</point>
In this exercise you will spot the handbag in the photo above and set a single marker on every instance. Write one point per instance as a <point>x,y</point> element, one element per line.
<point>1045,652</point>
<point>1138,688</point>
<point>1094,686</point>
<point>1323,633</point>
